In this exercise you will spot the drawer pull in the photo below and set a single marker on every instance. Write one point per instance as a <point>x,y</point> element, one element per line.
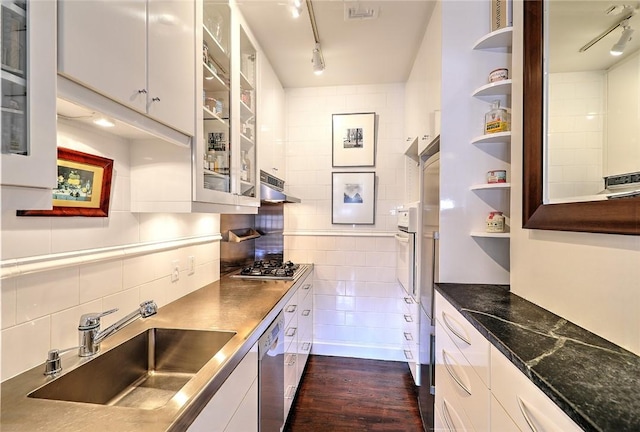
<point>291,308</point>
<point>408,336</point>
<point>306,312</point>
<point>408,318</point>
<point>291,331</point>
<point>408,355</point>
<point>306,346</point>
<point>446,415</point>
<point>408,300</point>
<point>528,415</point>
<point>306,286</point>
<point>291,360</point>
<point>456,332</point>
<point>291,391</point>
<point>455,376</point>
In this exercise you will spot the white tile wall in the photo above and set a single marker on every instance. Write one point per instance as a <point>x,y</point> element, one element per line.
<point>40,311</point>
<point>576,133</point>
<point>356,293</point>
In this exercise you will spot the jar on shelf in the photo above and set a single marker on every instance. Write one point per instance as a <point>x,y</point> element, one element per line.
<point>497,119</point>
<point>495,222</point>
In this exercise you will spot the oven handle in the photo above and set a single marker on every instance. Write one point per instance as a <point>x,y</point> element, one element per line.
<point>401,238</point>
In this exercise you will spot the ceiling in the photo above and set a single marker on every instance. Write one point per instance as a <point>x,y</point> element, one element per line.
<point>572,24</point>
<point>356,52</point>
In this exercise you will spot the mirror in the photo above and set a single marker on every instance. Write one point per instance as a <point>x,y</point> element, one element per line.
<point>621,216</point>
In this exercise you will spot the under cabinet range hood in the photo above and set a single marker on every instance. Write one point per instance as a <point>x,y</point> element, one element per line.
<point>272,190</point>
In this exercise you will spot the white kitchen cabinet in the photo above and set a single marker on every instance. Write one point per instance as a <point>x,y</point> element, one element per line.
<point>138,53</point>
<point>234,407</point>
<point>530,409</point>
<point>500,420</point>
<point>28,104</point>
<point>271,130</point>
<point>305,325</point>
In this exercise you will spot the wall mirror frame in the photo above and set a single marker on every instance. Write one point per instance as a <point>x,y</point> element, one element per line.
<point>619,216</point>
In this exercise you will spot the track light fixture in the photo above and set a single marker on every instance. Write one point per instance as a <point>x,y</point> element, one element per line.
<point>295,7</point>
<point>317,60</point>
<point>627,32</point>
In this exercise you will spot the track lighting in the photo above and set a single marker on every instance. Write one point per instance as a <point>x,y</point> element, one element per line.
<point>317,60</point>
<point>295,7</point>
<point>618,48</point>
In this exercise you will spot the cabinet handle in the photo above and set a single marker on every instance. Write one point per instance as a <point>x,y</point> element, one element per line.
<point>291,331</point>
<point>306,286</point>
<point>142,91</point>
<point>458,333</point>
<point>291,360</point>
<point>155,99</point>
<point>408,300</point>
<point>408,139</point>
<point>306,312</point>
<point>408,336</point>
<point>306,346</point>
<point>291,308</point>
<point>408,318</point>
<point>408,355</point>
<point>526,414</point>
<point>424,137</point>
<point>452,373</point>
<point>291,391</point>
<point>446,416</point>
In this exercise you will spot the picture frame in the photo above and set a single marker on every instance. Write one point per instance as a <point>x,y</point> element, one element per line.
<point>354,140</point>
<point>353,198</point>
<point>83,186</point>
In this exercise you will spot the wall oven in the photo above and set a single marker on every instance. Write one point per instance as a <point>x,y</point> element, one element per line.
<point>406,250</point>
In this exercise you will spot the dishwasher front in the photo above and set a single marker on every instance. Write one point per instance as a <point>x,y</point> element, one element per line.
<point>271,377</point>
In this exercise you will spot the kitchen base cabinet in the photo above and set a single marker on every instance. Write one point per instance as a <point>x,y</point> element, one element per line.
<point>410,329</point>
<point>530,409</point>
<point>500,420</point>
<point>234,407</point>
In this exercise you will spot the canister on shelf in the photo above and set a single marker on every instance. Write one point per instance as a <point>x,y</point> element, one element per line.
<point>495,222</point>
<point>499,75</point>
<point>497,176</point>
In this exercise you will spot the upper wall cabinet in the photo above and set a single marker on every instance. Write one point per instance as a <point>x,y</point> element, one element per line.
<point>28,103</point>
<point>271,107</point>
<point>136,52</point>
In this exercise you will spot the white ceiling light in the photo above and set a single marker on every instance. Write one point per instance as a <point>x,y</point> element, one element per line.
<point>295,7</point>
<point>317,60</point>
<point>627,32</point>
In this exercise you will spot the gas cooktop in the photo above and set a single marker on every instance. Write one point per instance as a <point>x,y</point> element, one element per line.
<point>271,269</point>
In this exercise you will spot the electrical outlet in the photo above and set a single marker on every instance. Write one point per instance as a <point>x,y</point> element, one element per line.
<point>192,264</point>
<point>175,270</point>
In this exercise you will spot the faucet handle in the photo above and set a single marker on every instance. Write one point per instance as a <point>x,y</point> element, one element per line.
<point>148,308</point>
<point>92,320</point>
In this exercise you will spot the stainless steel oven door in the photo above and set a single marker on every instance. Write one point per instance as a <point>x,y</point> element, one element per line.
<point>405,261</point>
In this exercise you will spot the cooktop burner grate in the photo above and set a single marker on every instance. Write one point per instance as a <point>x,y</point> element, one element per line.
<point>270,269</point>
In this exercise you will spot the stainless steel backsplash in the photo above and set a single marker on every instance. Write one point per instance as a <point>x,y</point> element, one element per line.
<point>269,222</point>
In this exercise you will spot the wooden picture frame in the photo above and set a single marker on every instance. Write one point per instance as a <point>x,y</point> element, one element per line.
<point>354,140</point>
<point>353,198</point>
<point>84,186</point>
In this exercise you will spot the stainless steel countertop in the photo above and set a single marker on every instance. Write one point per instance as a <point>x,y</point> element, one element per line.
<point>244,306</point>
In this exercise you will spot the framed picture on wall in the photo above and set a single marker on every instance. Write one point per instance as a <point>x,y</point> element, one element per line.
<point>354,140</point>
<point>83,186</point>
<point>353,198</point>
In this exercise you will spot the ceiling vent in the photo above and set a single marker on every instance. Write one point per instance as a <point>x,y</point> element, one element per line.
<point>359,12</point>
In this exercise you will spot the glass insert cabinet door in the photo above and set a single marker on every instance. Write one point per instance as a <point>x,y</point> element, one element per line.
<point>247,116</point>
<point>14,77</point>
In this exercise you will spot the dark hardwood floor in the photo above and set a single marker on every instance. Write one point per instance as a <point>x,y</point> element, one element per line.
<point>348,394</point>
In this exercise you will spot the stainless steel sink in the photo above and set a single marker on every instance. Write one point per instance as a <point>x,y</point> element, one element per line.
<point>144,372</point>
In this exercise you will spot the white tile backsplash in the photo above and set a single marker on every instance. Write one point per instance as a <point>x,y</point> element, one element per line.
<point>100,280</point>
<point>24,346</point>
<point>44,293</point>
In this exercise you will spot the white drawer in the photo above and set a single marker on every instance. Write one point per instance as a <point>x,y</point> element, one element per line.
<point>291,310</point>
<point>469,341</point>
<point>529,408</point>
<point>450,416</point>
<point>453,370</point>
<point>500,420</point>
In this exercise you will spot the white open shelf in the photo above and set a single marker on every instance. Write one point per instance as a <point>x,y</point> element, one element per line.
<point>502,38</point>
<point>498,88</point>
<point>491,186</point>
<point>484,234</point>
<point>498,137</point>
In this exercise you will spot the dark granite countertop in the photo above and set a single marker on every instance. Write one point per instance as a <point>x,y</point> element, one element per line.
<point>594,381</point>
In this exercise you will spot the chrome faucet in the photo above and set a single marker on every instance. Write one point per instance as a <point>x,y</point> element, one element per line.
<point>90,335</point>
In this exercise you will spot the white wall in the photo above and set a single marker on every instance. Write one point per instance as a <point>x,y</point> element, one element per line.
<point>577,102</point>
<point>357,309</point>
<point>590,279</point>
<point>40,311</point>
